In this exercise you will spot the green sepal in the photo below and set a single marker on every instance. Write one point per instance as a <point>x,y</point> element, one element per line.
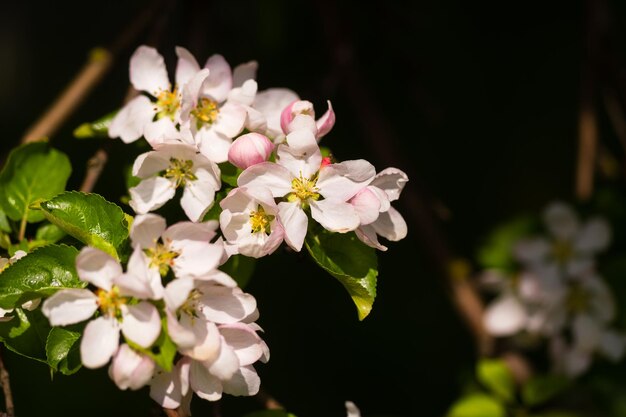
<point>353,263</point>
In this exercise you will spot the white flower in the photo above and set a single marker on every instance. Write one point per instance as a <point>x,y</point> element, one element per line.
<point>570,246</point>
<point>184,247</point>
<point>145,116</point>
<point>377,217</point>
<point>300,177</point>
<point>139,322</point>
<point>300,114</point>
<point>250,222</point>
<point>171,166</point>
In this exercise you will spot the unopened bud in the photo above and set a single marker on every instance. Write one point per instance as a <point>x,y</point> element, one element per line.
<point>250,149</point>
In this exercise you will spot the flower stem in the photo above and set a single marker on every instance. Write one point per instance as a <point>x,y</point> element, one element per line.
<point>22,232</point>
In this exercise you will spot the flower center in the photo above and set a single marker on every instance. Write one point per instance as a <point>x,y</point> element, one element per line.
<point>303,189</point>
<point>161,257</point>
<point>180,171</point>
<point>168,103</point>
<point>111,301</point>
<point>577,300</point>
<point>562,251</point>
<point>190,307</point>
<point>260,221</point>
<point>206,112</point>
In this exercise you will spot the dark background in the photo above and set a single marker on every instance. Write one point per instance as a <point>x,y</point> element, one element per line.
<point>477,101</point>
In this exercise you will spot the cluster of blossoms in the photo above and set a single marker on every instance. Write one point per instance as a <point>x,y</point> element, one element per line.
<point>171,292</point>
<point>558,293</point>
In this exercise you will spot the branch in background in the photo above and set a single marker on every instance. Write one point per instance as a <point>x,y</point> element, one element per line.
<point>95,165</point>
<point>6,388</point>
<point>616,114</point>
<point>587,148</point>
<point>171,413</point>
<point>98,64</point>
<point>269,402</point>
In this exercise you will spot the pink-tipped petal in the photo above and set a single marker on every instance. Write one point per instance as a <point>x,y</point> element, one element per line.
<point>97,267</point>
<point>148,72</point>
<point>326,122</point>
<point>220,80</point>
<point>186,67</point>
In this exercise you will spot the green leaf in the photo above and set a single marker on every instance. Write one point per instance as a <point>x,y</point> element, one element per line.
<point>91,219</point>
<point>32,341</point>
<point>495,375</point>
<point>477,405</point>
<point>229,173</point>
<point>240,268</point>
<point>24,323</point>
<point>350,261</point>
<point>162,352</point>
<point>61,350</point>
<point>497,251</point>
<point>270,413</point>
<point>543,388</point>
<point>97,129</point>
<point>39,274</point>
<point>50,233</point>
<point>33,171</point>
<point>215,210</point>
<point>4,222</point>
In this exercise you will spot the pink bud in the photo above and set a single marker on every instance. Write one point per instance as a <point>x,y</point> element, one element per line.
<point>250,149</point>
<point>296,108</point>
<point>326,161</point>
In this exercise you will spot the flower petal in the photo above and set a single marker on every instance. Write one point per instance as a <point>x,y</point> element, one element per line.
<point>220,80</point>
<point>142,324</point>
<point>100,341</point>
<point>148,72</point>
<point>266,175</point>
<point>295,223</point>
<point>561,221</point>
<point>505,316</point>
<point>593,237</point>
<point>612,345</point>
<point>271,103</point>
<point>245,382</point>
<point>131,120</point>
<point>326,122</point>
<point>230,120</point>
<point>244,340</point>
<point>146,230</point>
<point>69,306</point>
<point>336,216</point>
<point>130,369</point>
<point>205,385</point>
<point>342,181</point>
<point>244,94</point>
<point>186,67</point>
<point>225,305</point>
<point>244,72</point>
<point>392,181</point>
<point>151,194</point>
<point>97,267</point>
<point>391,225</point>
<point>199,195</point>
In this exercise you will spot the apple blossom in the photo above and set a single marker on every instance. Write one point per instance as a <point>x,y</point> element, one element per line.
<point>271,103</point>
<point>172,166</point>
<point>300,114</point>
<point>250,222</point>
<point>138,322</point>
<point>250,149</point>
<point>300,179</point>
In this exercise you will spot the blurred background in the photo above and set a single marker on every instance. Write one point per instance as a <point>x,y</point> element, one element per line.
<point>478,102</point>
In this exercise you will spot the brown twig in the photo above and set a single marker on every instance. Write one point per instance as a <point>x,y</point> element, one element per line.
<point>171,413</point>
<point>95,165</point>
<point>587,148</point>
<point>6,388</point>
<point>269,402</point>
<point>98,64</point>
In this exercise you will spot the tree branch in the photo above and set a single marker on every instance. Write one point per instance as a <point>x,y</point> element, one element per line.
<point>6,388</point>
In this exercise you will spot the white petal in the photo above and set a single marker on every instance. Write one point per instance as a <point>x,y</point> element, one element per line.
<point>245,382</point>
<point>140,280</point>
<point>220,80</point>
<point>146,230</point>
<point>69,306</point>
<point>131,120</point>
<point>208,341</point>
<point>342,181</point>
<point>168,389</point>
<point>205,385</point>
<point>266,175</point>
<point>532,250</point>
<point>180,233</point>
<point>100,341</point>
<point>176,292</point>
<point>392,181</point>
<point>271,103</point>
<point>181,335</point>
<point>367,205</point>
<point>130,369</point>
<point>161,132</point>
<point>352,409</point>
<point>505,316</point>
<point>225,305</point>
<point>612,345</point>
<point>594,236</point>
<point>295,223</point>
<point>151,194</point>
<point>213,145</point>
<point>186,67</point>
<point>147,71</point>
<point>191,93</point>
<point>255,121</point>
<point>244,340</point>
<point>302,157</point>
<point>367,235</point>
<point>198,259</point>
<point>97,267</point>
<point>561,220</point>
<point>230,120</point>
<point>199,195</point>
<point>226,364</point>
<point>391,225</point>
<point>142,324</point>
<point>149,163</point>
<point>326,122</point>
<point>335,216</point>
<point>244,94</point>
<point>244,72</point>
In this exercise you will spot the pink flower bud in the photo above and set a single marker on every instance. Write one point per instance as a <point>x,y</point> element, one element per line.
<point>250,149</point>
<point>326,161</point>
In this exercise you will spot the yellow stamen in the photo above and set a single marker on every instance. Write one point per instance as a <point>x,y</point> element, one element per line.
<point>168,103</point>
<point>304,189</point>
<point>180,171</point>
<point>110,302</point>
<point>161,257</point>
<point>206,112</point>
<point>260,221</point>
